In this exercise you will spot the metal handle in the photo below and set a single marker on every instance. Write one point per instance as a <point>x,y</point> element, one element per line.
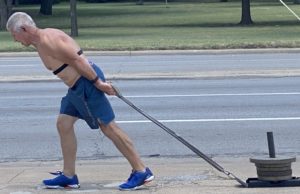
<point>271,145</point>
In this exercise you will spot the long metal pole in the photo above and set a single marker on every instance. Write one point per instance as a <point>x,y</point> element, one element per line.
<point>182,140</point>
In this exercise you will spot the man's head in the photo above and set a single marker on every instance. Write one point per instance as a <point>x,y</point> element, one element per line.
<point>17,24</point>
<point>18,20</point>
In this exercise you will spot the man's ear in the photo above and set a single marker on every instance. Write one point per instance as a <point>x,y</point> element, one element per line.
<point>23,28</point>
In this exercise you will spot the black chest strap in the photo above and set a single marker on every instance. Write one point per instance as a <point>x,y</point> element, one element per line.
<point>80,52</point>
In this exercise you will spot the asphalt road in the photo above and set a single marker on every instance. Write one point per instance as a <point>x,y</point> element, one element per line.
<point>219,116</point>
<point>222,103</point>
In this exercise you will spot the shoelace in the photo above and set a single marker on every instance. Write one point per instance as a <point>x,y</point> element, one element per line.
<point>56,173</point>
<point>130,177</point>
<point>133,177</point>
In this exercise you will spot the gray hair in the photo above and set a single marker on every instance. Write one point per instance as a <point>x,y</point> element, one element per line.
<point>17,20</point>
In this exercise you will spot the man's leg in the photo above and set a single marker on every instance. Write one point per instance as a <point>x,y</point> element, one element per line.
<point>65,127</point>
<point>124,144</point>
<point>140,175</point>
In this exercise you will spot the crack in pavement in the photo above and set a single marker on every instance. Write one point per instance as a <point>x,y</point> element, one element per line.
<point>9,181</point>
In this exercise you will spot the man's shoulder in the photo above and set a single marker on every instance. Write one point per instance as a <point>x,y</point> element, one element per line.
<point>53,31</point>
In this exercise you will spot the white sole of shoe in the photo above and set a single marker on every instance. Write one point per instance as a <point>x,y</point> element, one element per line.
<point>60,187</point>
<point>148,180</point>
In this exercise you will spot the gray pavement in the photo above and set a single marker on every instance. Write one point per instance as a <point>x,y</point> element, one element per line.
<point>173,175</point>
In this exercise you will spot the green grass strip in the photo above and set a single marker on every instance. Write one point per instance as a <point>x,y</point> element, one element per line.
<point>127,26</point>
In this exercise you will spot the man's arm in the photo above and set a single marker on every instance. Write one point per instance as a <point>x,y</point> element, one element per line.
<point>68,54</point>
<point>85,69</point>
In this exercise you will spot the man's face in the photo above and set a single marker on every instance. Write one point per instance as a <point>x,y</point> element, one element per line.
<point>20,37</point>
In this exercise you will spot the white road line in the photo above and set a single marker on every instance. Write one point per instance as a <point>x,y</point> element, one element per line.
<point>20,192</point>
<point>213,120</point>
<point>22,65</point>
<point>203,61</point>
<point>19,59</point>
<point>171,121</point>
<point>163,95</point>
<point>211,95</point>
<point>31,97</point>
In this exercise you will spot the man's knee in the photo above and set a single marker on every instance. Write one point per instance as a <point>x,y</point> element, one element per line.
<point>65,123</point>
<point>109,128</point>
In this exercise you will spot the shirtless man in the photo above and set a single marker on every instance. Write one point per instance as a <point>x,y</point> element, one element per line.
<point>85,99</point>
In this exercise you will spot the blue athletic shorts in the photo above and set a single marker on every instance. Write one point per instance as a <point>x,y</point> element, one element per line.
<point>86,102</point>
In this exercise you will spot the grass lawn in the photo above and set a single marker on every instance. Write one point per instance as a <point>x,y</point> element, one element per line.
<point>126,26</point>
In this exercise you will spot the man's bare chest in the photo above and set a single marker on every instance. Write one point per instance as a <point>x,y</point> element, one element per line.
<point>50,62</point>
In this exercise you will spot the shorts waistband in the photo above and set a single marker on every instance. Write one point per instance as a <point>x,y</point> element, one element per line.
<point>80,78</point>
<point>76,83</point>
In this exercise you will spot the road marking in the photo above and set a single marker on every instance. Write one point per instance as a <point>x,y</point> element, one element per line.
<point>213,120</point>
<point>22,65</point>
<point>18,59</point>
<point>211,95</point>
<point>35,118</point>
<point>32,97</point>
<point>20,192</point>
<point>163,95</point>
<point>196,61</point>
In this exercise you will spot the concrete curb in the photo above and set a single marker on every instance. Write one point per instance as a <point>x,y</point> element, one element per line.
<point>171,75</point>
<point>166,52</point>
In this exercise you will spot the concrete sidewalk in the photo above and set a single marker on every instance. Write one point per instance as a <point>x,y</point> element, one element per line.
<point>173,176</point>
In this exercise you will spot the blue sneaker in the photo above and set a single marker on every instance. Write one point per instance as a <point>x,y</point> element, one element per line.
<point>62,182</point>
<point>137,179</point>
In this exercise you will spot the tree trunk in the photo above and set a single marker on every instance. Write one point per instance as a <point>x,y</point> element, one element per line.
<point>46,7</point>
<point>16,2</point>
<point>5,12</point>
<point>246,14</point>
<point>140,2</point>
<point>73,14</point>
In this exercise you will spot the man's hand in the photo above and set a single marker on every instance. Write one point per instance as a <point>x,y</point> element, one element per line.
<point>105,87</point>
